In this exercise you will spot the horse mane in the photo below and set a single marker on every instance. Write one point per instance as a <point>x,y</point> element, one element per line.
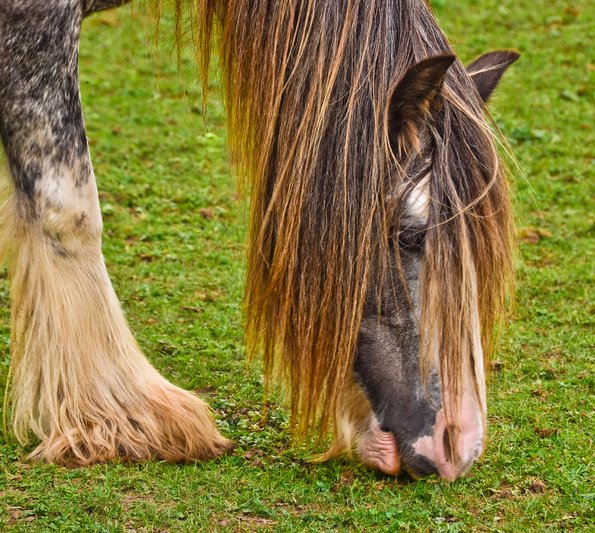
<point>306,87</point>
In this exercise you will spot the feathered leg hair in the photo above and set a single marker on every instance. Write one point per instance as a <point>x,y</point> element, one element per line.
<point>80,383</point>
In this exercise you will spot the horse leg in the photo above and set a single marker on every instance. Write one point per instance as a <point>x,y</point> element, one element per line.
<point>80,383</point>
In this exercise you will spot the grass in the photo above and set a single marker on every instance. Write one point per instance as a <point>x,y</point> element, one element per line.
<point>174,232</point>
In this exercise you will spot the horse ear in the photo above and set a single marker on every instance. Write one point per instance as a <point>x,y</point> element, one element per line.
<point>487,70</point>
<point>413,97</point>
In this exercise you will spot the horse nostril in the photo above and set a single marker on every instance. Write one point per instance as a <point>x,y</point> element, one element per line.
<point>447,442</point>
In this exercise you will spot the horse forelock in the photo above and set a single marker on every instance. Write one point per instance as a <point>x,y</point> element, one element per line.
<point>306,86</point>
<point>468,241</point>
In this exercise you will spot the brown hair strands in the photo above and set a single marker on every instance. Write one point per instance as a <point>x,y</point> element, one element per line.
<point>306,86</point>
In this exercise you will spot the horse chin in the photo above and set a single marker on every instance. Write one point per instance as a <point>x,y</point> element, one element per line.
<point>378,449</point>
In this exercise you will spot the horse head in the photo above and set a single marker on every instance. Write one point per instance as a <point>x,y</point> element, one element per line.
<point>420,418</point>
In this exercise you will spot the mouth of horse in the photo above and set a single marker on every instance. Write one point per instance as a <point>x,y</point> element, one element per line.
<point>378,449</point>
<point>437,453</point>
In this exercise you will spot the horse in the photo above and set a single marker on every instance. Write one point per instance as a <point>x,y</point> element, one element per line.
<point>379,248</point>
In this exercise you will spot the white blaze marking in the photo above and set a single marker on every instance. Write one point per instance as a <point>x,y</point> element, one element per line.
<point>418,201</point>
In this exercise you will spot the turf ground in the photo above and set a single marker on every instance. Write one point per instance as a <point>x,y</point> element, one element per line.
<point>174,228</point>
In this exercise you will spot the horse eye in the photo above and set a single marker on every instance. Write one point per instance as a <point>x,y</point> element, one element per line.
<point>412,238</point>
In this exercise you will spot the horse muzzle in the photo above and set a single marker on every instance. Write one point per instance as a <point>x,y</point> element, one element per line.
<point>448,450</point>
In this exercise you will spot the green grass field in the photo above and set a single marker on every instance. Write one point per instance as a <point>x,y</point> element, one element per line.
<point>174,232</point>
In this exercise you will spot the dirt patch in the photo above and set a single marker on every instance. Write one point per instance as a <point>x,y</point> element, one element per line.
<point>504,491</point>
<point>536,487</point>
<point>245,523</point>
<point>206,213</point>
<point>532,235</point>
<point>546,432</point>
<point>129,500</point>
<point>19,514</point>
